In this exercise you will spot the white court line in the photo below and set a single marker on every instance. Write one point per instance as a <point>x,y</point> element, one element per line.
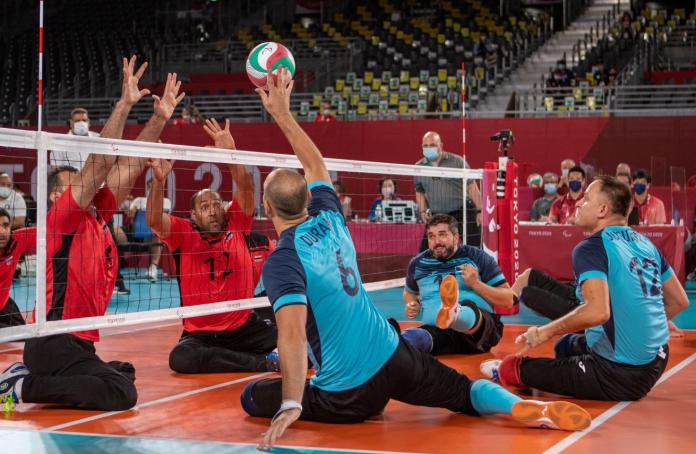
<point>604,417</point>
<point>162,400</point>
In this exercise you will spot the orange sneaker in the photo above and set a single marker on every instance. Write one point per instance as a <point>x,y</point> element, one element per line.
<point>551,415</point>
<point>449,302</point>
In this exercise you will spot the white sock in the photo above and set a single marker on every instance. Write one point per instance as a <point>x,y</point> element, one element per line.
<point>18,388</point>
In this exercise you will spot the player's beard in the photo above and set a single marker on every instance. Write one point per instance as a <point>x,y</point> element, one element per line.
<point>4,241</point>
<point>441,251</point>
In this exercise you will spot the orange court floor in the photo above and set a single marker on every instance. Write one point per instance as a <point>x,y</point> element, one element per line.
<point>202,413</point>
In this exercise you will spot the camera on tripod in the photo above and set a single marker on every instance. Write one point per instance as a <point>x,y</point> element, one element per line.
<point>505,138</point>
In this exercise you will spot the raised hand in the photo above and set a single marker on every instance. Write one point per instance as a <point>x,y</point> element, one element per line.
<point>164,106</point>
<point>160,168</point>
<point>277,100</point>
<point>130,93</point>
<point>222,137</point>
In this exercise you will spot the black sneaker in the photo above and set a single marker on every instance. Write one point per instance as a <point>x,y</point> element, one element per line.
<point>121,288</point>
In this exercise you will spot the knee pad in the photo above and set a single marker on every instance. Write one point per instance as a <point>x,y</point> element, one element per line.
<point>509,371</point>
<point>419,338</point>
<point>564,346</point>
<point>247,400</point>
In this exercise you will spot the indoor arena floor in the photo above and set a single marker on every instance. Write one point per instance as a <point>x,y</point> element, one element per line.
<point>201,413</point>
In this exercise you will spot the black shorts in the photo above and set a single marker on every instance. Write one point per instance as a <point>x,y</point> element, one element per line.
<point>241,350</point>
<point>64,369</point>
<point>451,342</point>
<point>586,375</point>
<point>548,296</point>
<point>409,376</point>
<point>11,315</point>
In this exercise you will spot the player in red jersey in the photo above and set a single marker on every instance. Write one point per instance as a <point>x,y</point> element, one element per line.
<point>82,265</point>
<point>12,246</point>
<point>214,264</point>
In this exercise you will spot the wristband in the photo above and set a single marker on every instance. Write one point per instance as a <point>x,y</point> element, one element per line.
<point>288,404</point>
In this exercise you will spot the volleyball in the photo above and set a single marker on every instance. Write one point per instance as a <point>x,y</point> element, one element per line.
<point>265,58</point>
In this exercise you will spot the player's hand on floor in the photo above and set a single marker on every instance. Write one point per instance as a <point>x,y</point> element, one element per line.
<point>674,331</point>
<point>278,426</point>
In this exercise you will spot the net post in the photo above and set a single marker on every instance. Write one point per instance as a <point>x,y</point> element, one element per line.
<point>465,181</point>
<point>41,211</point>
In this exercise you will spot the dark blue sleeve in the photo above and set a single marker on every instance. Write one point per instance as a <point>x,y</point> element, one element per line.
<point>411,283</point>
<point>371,215</point>
<point>323,198</point>
<point>590,259</point>
<point>488,269</point>
<point>284,279</point>
<point>666,270</point>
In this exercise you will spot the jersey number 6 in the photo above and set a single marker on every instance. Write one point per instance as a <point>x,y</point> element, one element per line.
<point>347,272</point>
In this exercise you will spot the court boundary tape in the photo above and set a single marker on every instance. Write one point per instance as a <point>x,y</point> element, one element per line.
<point>613,411</point>
<point>161,400</point>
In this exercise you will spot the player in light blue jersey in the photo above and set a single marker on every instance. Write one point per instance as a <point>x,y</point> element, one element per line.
<point>627,293</point>
<point>321,307</point>
<point>456,287</point>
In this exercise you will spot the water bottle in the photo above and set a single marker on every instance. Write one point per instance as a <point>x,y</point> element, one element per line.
<point>378,213</point>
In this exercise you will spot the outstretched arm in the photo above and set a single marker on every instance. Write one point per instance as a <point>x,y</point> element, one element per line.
<point>86,183</point>
<point>240,175</point>
<point>155,216</point>
<point>123,175</point>
<point>277,103</point>
<point>292,349</point>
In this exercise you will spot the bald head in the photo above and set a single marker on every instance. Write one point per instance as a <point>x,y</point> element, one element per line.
<point>432,139</point>
<point>286,192</point>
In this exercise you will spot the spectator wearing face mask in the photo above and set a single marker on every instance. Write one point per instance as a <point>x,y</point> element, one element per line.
<point>79,126</point>
<point>387,188</point>
<point>542,206</point>
<point>12,202</point>
<point>651,210</point>
<point>563,209</point>
<point>444,195</point>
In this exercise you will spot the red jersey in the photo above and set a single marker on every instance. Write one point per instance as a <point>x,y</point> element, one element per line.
<point>651,211</point>
<point>21,241</point>
<point>563,208</point>
<point>212,269</point>
<point>82,260</point>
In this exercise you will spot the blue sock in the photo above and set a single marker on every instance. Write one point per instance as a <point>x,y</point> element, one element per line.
<point>465,321</point>
<point>419,338</point>
<point>489,398</point>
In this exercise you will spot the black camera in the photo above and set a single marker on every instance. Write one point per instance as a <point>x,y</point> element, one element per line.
<point>504,135</point>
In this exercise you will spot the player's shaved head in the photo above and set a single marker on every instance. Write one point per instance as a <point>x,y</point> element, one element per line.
<point>286,192</point>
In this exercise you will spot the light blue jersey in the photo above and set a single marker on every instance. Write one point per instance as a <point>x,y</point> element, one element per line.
<point>425,274</point>
<point>315,264</point>
<point>634,270</point>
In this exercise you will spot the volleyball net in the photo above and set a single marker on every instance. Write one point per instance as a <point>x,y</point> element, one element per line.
<point>379,201</point>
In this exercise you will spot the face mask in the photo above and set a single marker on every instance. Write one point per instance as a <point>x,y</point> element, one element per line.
<point>638,187</point>
<point>81,128</point>
<point>561,67</point>
<point>575,185</point>
<point>564,172</point>
<point>550,188</point>
<point>387,192</point>
<point>430,153</point>
<point>5,192</point>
